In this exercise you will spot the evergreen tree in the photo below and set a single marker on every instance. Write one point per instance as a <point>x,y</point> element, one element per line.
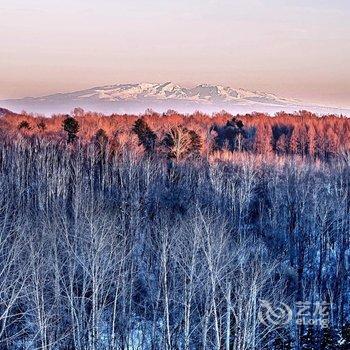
<point>147,138</point>
<point>23,125</point>
<point>196,143</point>
<point>231,122</point>
<point>71,126</point>
<point>41,126</point>
<point>239,124</point>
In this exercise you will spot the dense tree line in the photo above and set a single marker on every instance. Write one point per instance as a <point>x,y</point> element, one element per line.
<point>303,134</point>
<point>145,239</point>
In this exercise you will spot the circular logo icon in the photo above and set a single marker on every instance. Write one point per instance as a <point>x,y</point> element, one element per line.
<point>274,315</point>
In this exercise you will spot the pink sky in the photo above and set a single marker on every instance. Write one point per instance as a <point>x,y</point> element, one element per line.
<point>297,48</point>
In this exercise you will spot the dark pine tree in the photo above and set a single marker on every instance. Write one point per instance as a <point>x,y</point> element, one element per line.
<point>41,126</point>
<point>23,125</point>
<point>147,138</point>
<point>239,124</point>
<point>196,143</point>
<point>71,126</point>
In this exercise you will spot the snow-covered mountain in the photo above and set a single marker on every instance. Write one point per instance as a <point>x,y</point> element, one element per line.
<point>4,111</point>
<point>135,98</point>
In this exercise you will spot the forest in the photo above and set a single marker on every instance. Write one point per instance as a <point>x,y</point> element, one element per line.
<point>169,231</point>
<point>302,133</point>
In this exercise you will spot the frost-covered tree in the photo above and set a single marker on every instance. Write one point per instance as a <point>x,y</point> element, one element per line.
<point>181,143</point>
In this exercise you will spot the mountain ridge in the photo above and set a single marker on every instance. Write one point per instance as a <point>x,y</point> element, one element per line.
<point>136,97</point>
<point>5,111</point>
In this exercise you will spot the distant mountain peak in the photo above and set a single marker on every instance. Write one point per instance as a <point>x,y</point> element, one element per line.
<point>136,97</point>
<point>4,111</point>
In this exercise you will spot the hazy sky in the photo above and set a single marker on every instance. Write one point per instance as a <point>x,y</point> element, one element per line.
<point>296,48</point>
